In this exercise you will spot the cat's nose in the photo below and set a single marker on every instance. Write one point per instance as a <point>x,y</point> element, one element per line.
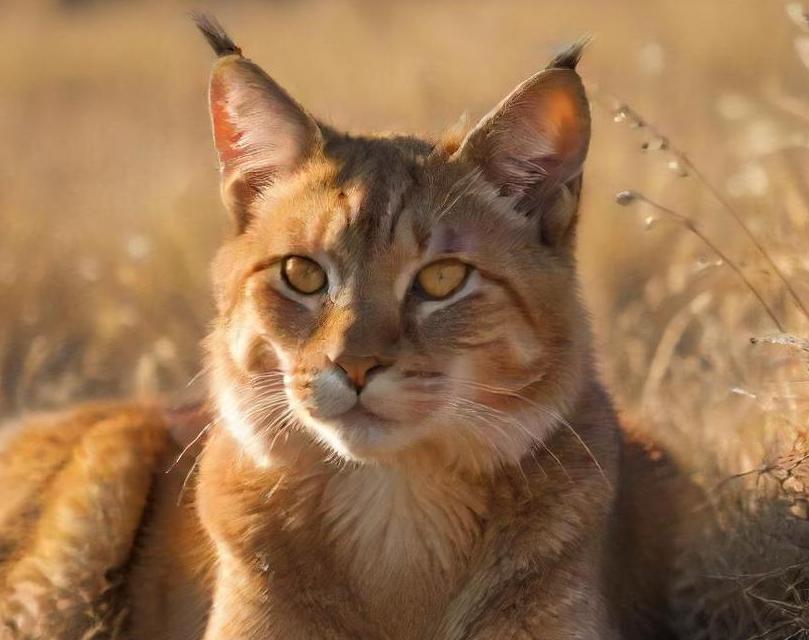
<point>359,368</point>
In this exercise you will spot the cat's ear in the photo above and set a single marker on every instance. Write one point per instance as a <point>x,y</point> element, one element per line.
<point>261,133</point>
<point>532,146</point>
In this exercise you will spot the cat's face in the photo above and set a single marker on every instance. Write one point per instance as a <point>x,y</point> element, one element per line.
<point>385,294</point>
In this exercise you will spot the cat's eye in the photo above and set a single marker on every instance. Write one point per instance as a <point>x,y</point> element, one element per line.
<point>442,278</point>
<point>303,275</point>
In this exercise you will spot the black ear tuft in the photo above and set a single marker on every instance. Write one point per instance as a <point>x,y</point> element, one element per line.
<point>215,35</point>
<point>569,57</point>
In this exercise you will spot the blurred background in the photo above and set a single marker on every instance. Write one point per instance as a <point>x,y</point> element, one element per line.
<point>109,209</point>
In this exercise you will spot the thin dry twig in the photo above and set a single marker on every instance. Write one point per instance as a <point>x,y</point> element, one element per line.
<point>628,197</point>
<point>685,166</point>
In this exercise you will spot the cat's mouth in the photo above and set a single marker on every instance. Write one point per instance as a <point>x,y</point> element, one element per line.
<point>388,415</point>
<point>359,416</point>
<point>363,433</point>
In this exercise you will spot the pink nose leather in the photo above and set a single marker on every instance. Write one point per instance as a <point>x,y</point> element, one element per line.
<point>357,368</point>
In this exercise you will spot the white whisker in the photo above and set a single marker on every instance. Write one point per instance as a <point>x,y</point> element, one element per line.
<point>547,411</point>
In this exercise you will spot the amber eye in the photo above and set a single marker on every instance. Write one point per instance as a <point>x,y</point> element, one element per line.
<point>441,279</point>
<point>303,275</point>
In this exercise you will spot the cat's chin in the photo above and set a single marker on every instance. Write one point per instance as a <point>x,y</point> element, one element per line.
<point>361,435</point>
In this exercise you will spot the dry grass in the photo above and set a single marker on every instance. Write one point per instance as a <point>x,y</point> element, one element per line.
<point>714,354</point>
<point>109,216</point>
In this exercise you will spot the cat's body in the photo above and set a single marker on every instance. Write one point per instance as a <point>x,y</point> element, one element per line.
<point>540,551</point>
<point>408,439</point>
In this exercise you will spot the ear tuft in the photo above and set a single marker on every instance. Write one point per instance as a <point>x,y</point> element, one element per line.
<point>569,57</point>
<point>216,36</point>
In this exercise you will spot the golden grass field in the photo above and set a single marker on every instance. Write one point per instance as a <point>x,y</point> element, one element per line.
<point>109,213</point>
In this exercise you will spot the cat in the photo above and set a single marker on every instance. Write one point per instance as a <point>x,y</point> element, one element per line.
<point>406,436</point>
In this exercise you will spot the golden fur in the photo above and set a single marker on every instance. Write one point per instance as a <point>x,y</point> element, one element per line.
<point>470,482</point>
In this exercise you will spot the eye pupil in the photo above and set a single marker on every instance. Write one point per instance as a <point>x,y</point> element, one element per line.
<point>303,275</point>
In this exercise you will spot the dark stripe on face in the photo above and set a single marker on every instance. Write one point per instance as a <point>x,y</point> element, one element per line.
<point>396,213</point>
<point>522,306</point>
<point>385,201</point>
<point>386,170</point>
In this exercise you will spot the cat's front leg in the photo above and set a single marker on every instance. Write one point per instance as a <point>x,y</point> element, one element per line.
<point>273,579</point>
<point>541,600</point>
<point>518,612</point>
<point>249,604</point>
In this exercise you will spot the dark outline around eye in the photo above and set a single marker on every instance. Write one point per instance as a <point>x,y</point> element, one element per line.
<point>286,280</point>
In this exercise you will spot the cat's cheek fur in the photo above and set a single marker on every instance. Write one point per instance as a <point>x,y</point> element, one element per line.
<point>255,353</point>
<point>331,396</point>
<point>524,351</point>
<point>234,416</point>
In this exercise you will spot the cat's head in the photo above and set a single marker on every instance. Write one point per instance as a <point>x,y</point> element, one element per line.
<point>386,295</point>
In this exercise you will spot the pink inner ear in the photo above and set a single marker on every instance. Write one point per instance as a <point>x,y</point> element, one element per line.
<point>261,134</point>
<point>565,129</point>
<point>561,116</point>
<point>538,136</point>
<point>226,136</point>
